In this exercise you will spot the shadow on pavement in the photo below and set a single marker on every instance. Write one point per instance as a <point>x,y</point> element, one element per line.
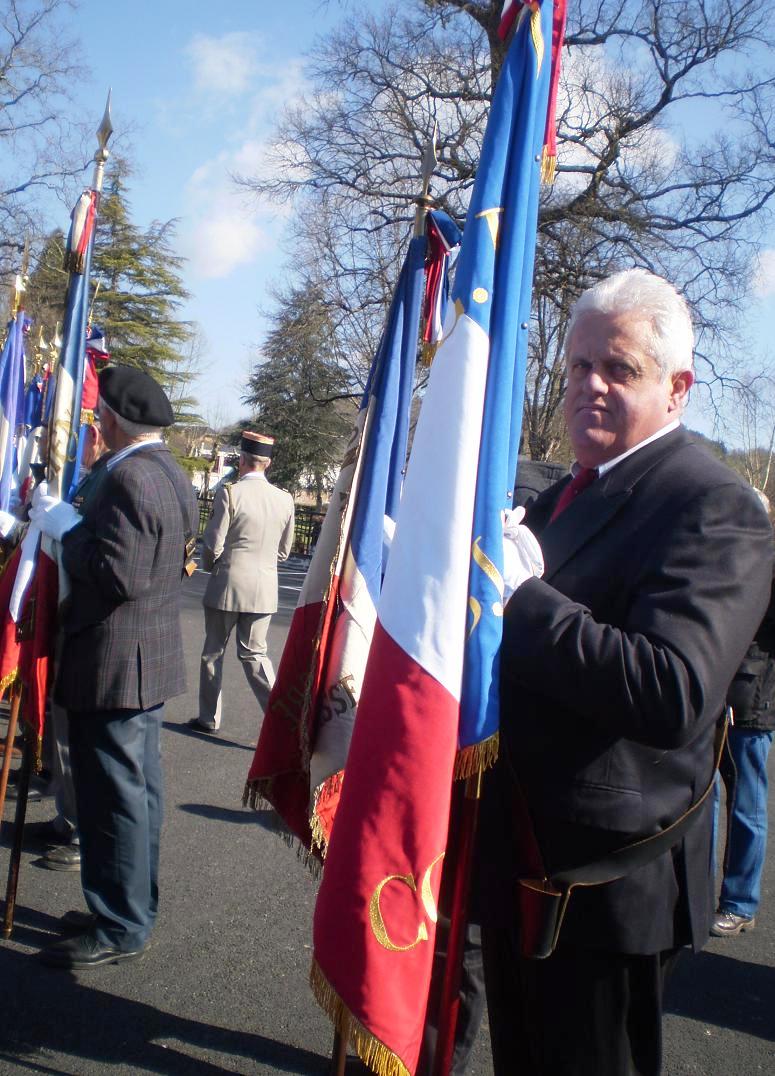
<point>717,989</point>
<point>266,818</point>
<point>220,741</point>
<point>48,1011</point>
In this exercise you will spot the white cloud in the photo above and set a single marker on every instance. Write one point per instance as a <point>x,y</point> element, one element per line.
<point>764,274</point>
<point>588,83</point>
<point>218,243</point>
<point>223,230</point>
<point>223,65</point>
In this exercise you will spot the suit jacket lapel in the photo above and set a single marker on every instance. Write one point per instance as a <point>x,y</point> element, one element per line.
<point>591,511</point>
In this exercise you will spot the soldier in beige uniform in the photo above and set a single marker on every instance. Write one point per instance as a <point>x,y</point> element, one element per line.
<point>250,530</point>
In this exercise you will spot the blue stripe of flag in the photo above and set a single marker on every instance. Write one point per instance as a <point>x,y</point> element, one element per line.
<point>388,397</point>
<point>508,179</point>
<point>72,359</point>
<point>11,400</point>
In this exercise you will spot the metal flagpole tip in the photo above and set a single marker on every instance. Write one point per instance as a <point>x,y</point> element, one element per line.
<point>430,157</point>
<point>105,129</point>
<point>429,161</point>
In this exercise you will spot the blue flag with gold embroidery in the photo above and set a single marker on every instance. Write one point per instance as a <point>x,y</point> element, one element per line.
<point>493,285</point>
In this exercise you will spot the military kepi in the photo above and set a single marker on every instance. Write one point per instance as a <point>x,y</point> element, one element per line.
<point>256,444</point>
<point>135,396</point>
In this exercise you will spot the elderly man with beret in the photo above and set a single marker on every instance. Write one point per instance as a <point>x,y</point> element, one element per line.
<point>122,658</point>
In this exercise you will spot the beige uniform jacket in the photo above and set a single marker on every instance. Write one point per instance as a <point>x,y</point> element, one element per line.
<point>250,530</point>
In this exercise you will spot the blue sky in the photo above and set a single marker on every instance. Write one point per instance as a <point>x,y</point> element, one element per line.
<point>198,88</point>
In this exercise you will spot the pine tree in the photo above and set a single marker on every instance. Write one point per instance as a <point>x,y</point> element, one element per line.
<point>137,289</point>
<point>138,292</point>
<point>44,298</point>
<point>301,396</point>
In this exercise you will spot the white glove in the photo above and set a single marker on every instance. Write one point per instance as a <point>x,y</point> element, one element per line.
<point>522,556</point>
<point>39,493</point>
<point>51,515</point>
<point>8,524</point>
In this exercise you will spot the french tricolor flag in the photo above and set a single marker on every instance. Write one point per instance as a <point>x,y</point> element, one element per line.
<point>305,736</point>
<point>428,710</point>
<point>11,404</point>
<point>30,590</point>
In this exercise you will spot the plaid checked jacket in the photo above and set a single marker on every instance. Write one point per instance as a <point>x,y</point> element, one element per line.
<point>122,645</point>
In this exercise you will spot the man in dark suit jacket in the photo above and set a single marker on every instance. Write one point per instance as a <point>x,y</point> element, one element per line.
<point>615,667</point>
<point>122,658</point>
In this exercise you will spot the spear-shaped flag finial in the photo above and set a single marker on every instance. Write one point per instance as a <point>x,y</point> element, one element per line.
<point>430,159</point>
<point>104,131</point>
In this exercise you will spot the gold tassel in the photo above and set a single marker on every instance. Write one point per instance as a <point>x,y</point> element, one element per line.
<point>548,166</point>
<point>369,1049</point>
<point>477,758</point>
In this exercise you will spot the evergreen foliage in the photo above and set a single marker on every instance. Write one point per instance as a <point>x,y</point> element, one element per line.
<point>300,394</point>
<point>138,291</point>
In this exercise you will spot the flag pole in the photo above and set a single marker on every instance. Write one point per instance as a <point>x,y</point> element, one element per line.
<point>22,792</point>
<point>20,284</point>
<point>101,155</point>
<point>453,907</point>
<point>10,736</point>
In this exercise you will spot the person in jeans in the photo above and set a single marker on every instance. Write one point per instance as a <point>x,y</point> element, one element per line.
<point>744,772</point>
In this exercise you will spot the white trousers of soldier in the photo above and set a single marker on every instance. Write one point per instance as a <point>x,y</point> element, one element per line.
<point>252,631</point>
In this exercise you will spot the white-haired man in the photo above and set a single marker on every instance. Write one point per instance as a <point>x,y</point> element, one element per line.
<point>250,530</point>
<point>615,667</point>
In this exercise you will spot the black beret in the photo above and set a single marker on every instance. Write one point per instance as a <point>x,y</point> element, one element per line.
<point>135,396</point>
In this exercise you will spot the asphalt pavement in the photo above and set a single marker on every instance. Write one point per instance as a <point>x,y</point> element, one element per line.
<point>223,987</point>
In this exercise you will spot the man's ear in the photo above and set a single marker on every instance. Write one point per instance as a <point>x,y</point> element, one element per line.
<point>682,382</point>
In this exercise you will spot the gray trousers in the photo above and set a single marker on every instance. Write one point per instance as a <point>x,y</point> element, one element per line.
<point>252,629</point>
<point>61,768</point>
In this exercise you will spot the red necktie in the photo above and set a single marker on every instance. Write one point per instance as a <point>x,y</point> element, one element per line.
<point>579,482</point>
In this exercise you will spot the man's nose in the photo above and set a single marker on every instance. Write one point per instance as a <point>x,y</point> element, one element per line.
<point>594,382</point>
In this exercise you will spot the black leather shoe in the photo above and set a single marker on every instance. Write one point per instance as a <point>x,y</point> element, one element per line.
<point>33,794</point>
<point>63,857</point>
<point>46,833</point>
<point>197,726</point>
<point>83,952</point>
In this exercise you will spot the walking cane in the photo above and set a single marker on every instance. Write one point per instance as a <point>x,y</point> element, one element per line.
<point>10,736</point>
<point>21,809</point>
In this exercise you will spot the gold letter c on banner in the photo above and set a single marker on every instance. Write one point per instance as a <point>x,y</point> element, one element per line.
<point>428,903</point>
<point>378,923</point>
<point>427,893</point>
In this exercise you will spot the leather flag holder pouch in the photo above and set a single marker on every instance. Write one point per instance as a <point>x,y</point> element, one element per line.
<point>542,902</point>
<point>189,546</point>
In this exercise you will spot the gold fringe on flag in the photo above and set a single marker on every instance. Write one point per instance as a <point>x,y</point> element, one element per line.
<point>36,746</point>
<point>7,681</point>
<point>477,758</point>
<point>428,353</point>
<point>369,1049</point>
<point>253,795</point>
<point>331,787</point>
<point>536,34</point>
<point>548,166</point>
